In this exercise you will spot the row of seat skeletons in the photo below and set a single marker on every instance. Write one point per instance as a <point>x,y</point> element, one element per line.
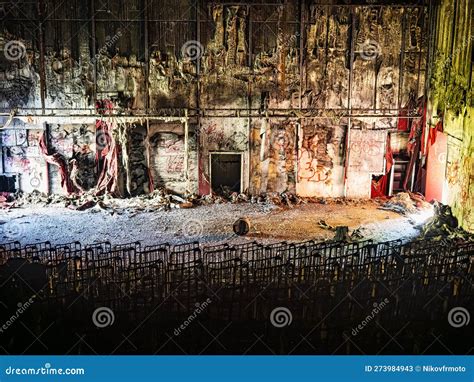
<point>97,254</point>
<point>242,279</point>
<point>256,263</point>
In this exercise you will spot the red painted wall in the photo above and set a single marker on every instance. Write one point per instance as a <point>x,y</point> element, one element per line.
<point>436,168</point>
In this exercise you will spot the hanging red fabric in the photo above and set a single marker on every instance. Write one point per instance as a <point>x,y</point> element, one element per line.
<point>379,188</point>
<point>58,160</point>
<point>107,152</point>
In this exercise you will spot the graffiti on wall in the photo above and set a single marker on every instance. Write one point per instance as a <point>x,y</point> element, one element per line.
<point>173,150</point>
<point>269,75</point>
<point>367,150</point>
<point>314,161</point>
<point>21,156</point>
<point>168,160</point>
<point>224,139</point>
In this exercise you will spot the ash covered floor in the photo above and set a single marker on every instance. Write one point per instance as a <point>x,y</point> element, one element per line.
<point>207,223</point>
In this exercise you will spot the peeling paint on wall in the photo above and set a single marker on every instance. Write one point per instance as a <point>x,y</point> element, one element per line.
<point>251,59</point>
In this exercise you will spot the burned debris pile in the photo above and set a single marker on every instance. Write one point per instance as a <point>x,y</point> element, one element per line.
<point>163,199</point>
<point>406,203</point>
<point>444,226</point>
<point>155,201</point>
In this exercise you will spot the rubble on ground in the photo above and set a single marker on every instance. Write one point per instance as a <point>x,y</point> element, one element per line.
<point>271,198</point>
<point>157,200</point>
<point>444,226</point>
<point>342,232</point>
<point>324,225</point>
<point>282,199</point>
<point>406,203</point>
<point>357,234</point>
<point>163,199</point>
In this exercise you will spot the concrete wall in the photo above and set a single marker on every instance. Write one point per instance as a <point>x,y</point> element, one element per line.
<point>306,92</point>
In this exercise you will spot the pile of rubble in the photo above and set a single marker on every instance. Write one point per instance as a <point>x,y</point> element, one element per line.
<point>283,199</point>
<point>406,203</point>
<point>444,226</point>
<point>157,200</point>
<point>23,199</point>
<point>162,199</point>
<point>277,199</point>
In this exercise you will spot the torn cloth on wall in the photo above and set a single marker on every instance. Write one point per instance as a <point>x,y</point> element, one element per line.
<point>59,161</point>
<point>107,151</point>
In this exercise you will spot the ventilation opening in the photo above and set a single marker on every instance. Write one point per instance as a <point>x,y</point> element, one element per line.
<point>226,170</point>
<point>8,183</point>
